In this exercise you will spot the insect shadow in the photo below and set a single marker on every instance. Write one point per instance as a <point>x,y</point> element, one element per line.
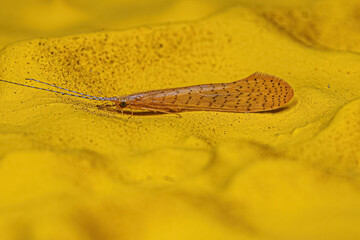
<point>284,108</point>
<point>111,108</point>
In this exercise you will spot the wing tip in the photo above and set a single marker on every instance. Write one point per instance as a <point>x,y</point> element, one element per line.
<point>263,75</point>
<point>269,77</point>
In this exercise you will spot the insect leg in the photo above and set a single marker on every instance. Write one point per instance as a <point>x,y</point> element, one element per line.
<point>132,113</point>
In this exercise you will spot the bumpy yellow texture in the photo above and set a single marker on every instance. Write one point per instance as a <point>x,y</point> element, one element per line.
<point>71,171</point>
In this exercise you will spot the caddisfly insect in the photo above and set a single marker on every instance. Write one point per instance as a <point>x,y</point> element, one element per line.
<point>257,93</point>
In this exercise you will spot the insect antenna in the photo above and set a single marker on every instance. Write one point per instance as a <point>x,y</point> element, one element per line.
<point>32,79</point>
<point>81,95</point>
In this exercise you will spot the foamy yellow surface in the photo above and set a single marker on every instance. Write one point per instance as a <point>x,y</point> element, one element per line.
<point>71,171</point>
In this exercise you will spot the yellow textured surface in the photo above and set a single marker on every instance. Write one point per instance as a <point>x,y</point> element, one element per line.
<point>71,171</point>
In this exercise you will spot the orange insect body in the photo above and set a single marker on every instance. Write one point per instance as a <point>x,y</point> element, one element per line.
<point>257,93</point>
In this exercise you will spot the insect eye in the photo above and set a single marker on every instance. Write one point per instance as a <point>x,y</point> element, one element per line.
<point>123,104</point>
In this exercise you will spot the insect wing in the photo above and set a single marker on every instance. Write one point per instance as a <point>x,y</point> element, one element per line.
<point>256,93</point>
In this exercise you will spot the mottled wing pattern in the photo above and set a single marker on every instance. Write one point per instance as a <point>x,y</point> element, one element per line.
<point>256,93</point>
